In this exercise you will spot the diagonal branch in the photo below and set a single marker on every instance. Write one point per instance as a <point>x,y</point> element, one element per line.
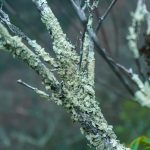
<point>64,50</point>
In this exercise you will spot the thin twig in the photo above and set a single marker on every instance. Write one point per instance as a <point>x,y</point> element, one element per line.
<point>103,34</point>
<point>37,91</point>
<point>102,18</point>
<point>40,51</point>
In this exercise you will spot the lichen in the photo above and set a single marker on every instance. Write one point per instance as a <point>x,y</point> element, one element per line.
<point>42,53</point>
<point>137,18</point>
<point>142,95</point>
<point>18,49</point>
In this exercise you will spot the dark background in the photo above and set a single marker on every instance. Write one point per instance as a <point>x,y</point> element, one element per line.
<point>27,121</point>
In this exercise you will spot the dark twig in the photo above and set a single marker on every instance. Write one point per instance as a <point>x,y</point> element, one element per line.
<point>102,18</point>
<point>137,62</point>
<point>81,45</point>
<point>114,66</point>
<point>103,34</point>
<point>37,91</point>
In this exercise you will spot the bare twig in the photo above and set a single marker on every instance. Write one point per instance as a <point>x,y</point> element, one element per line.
<point>37,91</point>
<point>103,34</point>
<point>138,65</point>
<point>103,17</point>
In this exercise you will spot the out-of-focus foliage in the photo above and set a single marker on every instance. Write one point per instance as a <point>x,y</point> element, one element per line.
<point>141,143</point>
<point>134,121</point>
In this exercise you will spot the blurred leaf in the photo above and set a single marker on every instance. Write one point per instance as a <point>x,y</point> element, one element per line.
<point>142,141</point>
<point>133,120</point>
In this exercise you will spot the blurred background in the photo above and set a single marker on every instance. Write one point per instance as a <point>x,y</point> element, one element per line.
<point>27,121</point>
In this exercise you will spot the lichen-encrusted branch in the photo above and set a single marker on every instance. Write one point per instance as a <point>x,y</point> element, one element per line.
<point>65,52</point>
<point>142,95</point>
<point>62,47</point>
<point>18,49</point>
<point>137,18</point>
<point>76,93</point>
<point>88,59</point>
<point>141,14</point>
<point>40,51</point>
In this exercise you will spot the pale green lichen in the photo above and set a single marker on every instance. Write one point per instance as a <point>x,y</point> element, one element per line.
<point>137,18</point>
<point>83,98</point>
<point>88,59</point>
<point>65,52</point>
<point>62,47</point>
<point>18,49</point>
<point>36,47</point>
<point>142,95</point>
<point>42,53</point>
<point>81,104</point>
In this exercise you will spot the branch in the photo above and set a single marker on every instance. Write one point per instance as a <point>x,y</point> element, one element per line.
<point>75,93</point>
<point>143,94</point>
<point>102,18</point>
<point>138,18</point>
<point>101,51</point>
<point>18,49</point>
<point>64,50</point>
<point>88,61</point>
<point>36,47</point>
<point>37,91</point>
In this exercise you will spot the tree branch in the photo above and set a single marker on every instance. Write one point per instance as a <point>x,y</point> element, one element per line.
<point>18,49</point>
<point>102,18</point>
<point>100,50</point>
